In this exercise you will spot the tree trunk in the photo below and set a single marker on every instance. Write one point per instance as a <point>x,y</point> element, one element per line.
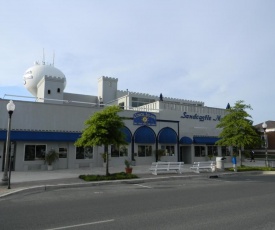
<point>241,158</point>
<point>107,159</point>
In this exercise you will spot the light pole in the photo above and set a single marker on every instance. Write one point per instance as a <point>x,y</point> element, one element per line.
<point>5,179</point>
<point>265,139</point>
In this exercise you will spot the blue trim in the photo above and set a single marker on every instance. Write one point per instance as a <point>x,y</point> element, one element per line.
<point>145,135</point>
<point>186,140</point>
<point>167,135</point>
<point>128,134</point>
<point>40,136</point>
<point>205,140</point>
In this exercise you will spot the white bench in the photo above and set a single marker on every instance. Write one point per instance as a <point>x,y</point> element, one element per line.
<point>166,166</point>
<point>204,166</point>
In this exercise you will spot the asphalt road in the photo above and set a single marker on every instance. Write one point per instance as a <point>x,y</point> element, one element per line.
<point>233,202</point>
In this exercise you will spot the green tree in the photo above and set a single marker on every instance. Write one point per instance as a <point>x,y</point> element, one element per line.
<point>238,130</point>
<point>103,128</point>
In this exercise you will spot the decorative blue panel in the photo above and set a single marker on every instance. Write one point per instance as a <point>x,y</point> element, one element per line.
<point>144,118</point>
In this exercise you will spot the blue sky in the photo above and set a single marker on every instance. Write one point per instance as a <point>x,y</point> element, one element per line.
<point>215,51</point>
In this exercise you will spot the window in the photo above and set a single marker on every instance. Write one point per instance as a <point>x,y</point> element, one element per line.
<point>212,150</point>
<point>225,151</point>
<point>169,150</point>
<point>84,153</point>
<point>121,151</point>
<point>199,151</point>
<point>58,90</point>
<point>141,101</point>
<point>62,152</point>
<point>121,105</point>
<point>234,150</point>
<point>144,150</point>
<point>49,91</point>
<point>35,152</point>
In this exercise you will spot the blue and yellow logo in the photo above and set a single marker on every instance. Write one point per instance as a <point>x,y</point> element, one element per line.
<point>144,118</point>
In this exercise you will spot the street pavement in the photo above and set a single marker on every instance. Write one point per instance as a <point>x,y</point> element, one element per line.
<point>27,181</point>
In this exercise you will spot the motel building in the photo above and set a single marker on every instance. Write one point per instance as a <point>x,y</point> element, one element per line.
<point>53,119</point>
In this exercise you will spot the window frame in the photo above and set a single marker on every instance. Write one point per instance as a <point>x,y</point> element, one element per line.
<point>119,151</point>
<point>147,151</point>
<point>84,152</point>
<point>169,149</point>
<point>201,150</point>
<point>62,153</point>
<point>37,154</point>
<point>212,150</point>
<point>225,151</point>
<point>139,101</point>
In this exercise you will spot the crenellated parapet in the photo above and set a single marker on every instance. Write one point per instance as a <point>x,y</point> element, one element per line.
<point>144,95</point>
<point>107,78</point>
<point>182,101</point>
<point>54,78</point>
<point>166,99</point>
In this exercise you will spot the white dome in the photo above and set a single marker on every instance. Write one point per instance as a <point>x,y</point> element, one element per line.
<point>34,74</point>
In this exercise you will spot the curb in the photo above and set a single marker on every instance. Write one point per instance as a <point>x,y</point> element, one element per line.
<point>43,188</point>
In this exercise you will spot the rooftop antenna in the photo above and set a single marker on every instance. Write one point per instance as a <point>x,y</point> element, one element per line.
<point>43,60</point>
<point>53,57</point>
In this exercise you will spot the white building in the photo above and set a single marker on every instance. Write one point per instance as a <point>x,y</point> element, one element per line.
<point>185,129</point>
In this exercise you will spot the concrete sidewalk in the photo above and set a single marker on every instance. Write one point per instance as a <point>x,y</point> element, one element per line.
<point>43,180</point>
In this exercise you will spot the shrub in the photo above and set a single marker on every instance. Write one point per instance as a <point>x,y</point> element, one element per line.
<point>114,176</point>
<point>51,157</point>
<point>252,168</point>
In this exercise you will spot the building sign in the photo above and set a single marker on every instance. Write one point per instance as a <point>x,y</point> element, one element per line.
<point>201,117</point>
<point>145,118</point>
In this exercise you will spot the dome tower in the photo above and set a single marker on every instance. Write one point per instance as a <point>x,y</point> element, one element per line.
<point>38,72</point>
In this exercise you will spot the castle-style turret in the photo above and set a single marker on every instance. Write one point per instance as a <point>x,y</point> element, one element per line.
<point>107,89</point>
<point>37,72</point>
<point>50,89</point>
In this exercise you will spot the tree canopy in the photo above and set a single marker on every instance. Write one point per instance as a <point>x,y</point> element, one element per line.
<point>103,128</point>
<point>238,130</point>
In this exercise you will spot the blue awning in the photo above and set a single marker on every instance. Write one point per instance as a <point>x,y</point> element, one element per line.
<point>128,134</point>
<point>39,136</point>
<point>167,135</point>
<point>205,140</point>
<point>145,135</point>
<point>186,140</point>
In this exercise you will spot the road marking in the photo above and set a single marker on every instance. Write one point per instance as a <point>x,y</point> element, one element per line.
<point>144,186</point>
<point>79,225</point>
